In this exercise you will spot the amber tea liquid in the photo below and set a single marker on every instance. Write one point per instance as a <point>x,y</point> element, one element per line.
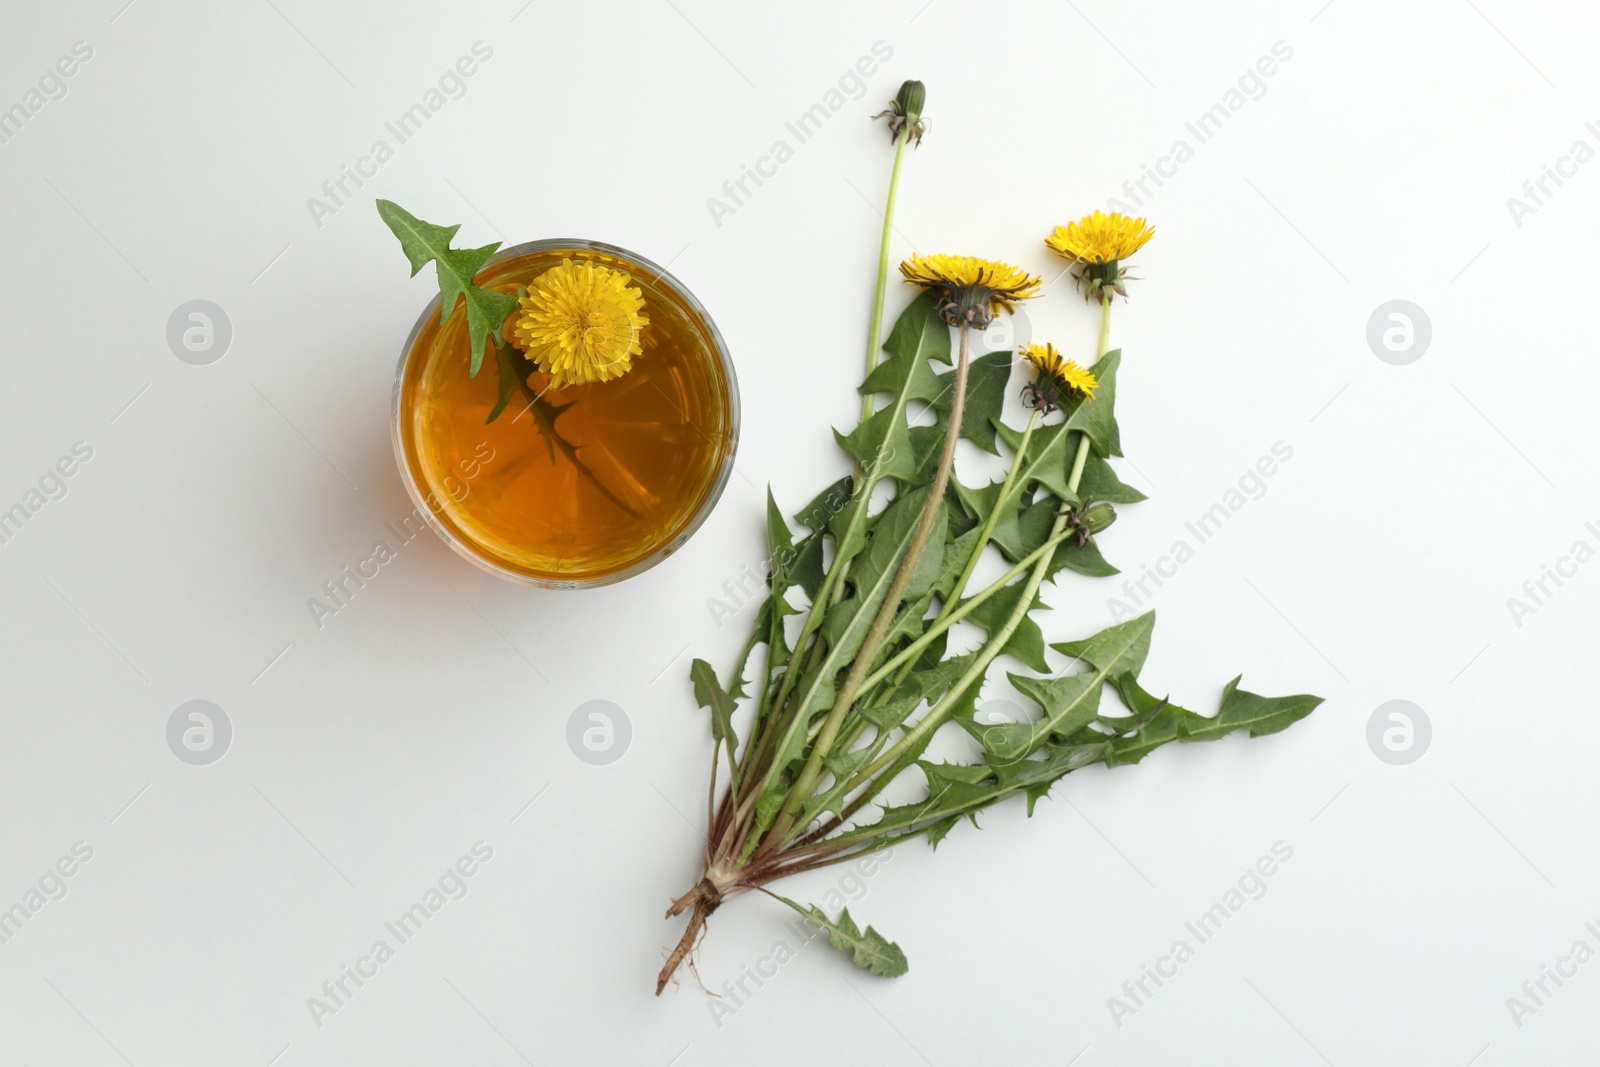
<point>636,460</point>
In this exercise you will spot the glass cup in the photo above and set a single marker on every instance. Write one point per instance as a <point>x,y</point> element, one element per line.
<point>576,487</point>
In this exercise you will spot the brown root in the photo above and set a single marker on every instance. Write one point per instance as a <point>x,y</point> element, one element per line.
<point>704,899</point>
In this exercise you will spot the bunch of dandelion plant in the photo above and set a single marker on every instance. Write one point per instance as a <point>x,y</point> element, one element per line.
<point>852,665</point>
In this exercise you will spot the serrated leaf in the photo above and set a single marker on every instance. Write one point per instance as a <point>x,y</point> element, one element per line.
<point>1142,706</point>
<point>709,694</point>
<point>930,565</point>
<point>816,688</point>
<point>911,622</point>
<point>954,785</point>
<point>869,951</point>
<point>764,630</point>
<point>922,685</point>
<point>842,768</point>
<point>1116,650</point>
<point>965,798</point>
<point>927,444</point>
<point>1007,534</point>
<point>914,376</point>
<point>882,444</point>
<point>959,793</point>
<point>986,393</point>
<point>920,332</point>
<point>807,569</point>
<point>849,536</point>
<point>933,652</point>
<point>1085,559</point>
<point>826,504</point>
<point>423,241</point>
<point>767,808</point>
<point>1240,710</point>
<point>1260,715</point>
<point>1036,777</point>
<point>960,522</point>
<point>1160,724</point>
<point>957,550</point>
<point>1034,528</point>
<point>941,829</point>
<point>1100,482</point>
<point>1026,642</point>
<point>1097,416</point>
<point>1070,702</point>
<point>781,552</point>
<point>1046,461</point>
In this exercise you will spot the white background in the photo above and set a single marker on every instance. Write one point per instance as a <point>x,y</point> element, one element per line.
<point>370,754</point>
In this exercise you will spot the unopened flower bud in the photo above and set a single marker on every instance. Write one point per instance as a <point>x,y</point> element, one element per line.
<point>908,102</point>
<point>1086,520</point>
<point>1097,516</point>
<point>905,112</point>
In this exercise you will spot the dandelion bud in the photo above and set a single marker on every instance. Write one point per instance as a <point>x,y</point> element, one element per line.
<point>1097,516</point>
<point>908,103</point>
<point>1089,519</point>
<point>906,111</point>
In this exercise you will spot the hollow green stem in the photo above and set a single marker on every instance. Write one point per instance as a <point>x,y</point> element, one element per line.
<point>1105,322</point>
<point>875,330</point>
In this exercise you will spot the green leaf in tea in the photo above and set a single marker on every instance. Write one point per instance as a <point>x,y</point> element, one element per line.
<point>423,242</point>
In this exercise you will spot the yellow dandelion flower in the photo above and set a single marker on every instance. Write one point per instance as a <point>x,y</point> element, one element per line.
<point>580,323</point>
<point>972,290</point>
<point>1097,244</point>
<point>1100,238</point>
<point>1057,379</point>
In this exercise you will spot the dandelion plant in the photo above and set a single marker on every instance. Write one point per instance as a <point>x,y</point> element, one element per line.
<point>854,663</point>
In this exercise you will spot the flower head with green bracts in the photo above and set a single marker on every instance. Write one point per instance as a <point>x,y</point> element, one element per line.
<point>972,291</point>
<point>1097,244</point>
<point>1056,379</point>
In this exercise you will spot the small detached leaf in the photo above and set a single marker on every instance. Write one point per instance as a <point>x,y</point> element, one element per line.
<point>870,951</point>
